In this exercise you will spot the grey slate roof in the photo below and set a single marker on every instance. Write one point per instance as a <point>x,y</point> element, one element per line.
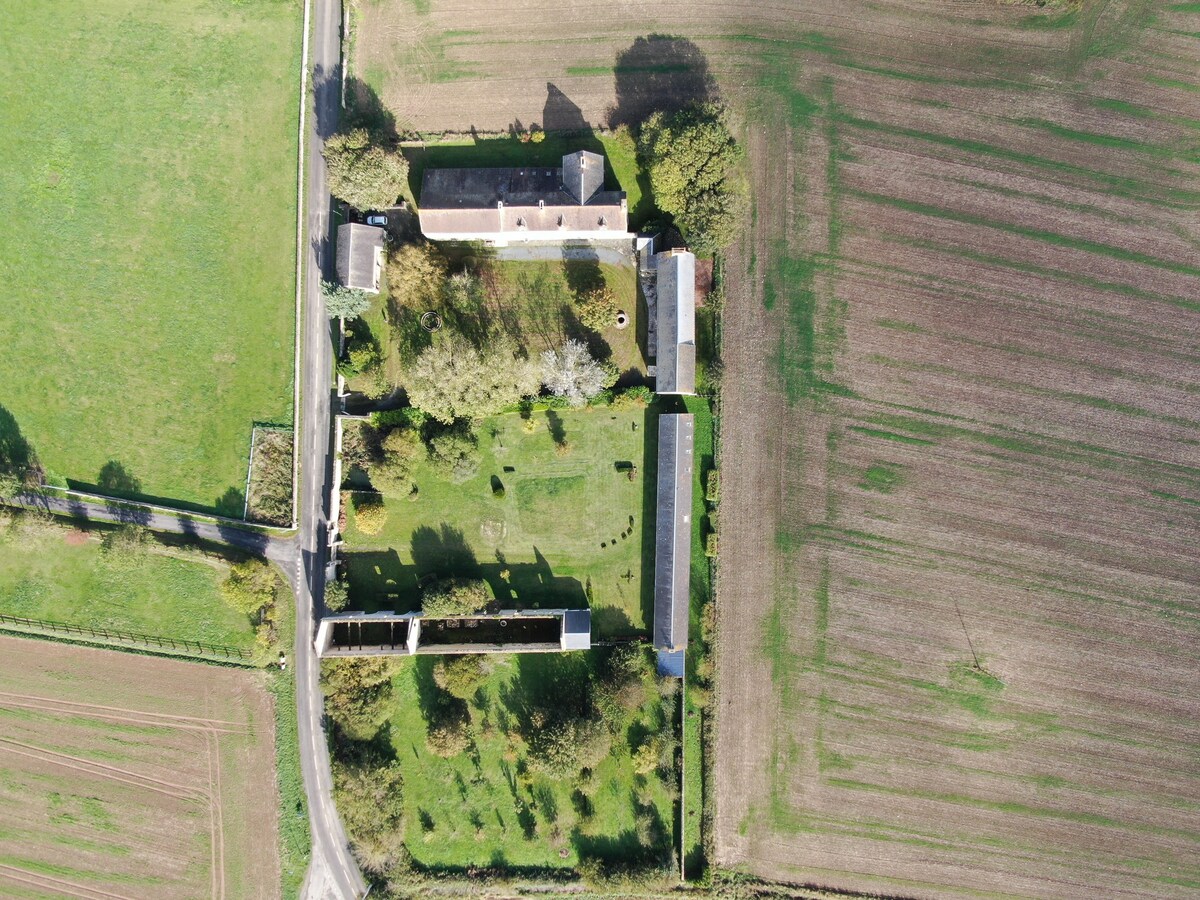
<point>528,198</point>
<point>577,629</point>
<point>676,321</point>
<point>673,534</point>
<point>359,256</point>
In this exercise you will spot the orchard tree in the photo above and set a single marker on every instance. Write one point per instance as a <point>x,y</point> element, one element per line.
<point>572,373</point>
<point>460,676</point>
<point>362,173</point>
<point>452,379</point>
<point>690,156</point>
<point>343,302</point>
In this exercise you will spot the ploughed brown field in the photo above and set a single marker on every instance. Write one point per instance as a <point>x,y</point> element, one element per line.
<point>960,633</point>
<point>129,776</point>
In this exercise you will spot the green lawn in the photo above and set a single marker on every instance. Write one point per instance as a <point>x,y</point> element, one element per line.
<point>535,302</point>
<point>490,810</point>
<point>147,170</point>
<point>58,574</point>
<point>621,166</point>
<point>566,525</point>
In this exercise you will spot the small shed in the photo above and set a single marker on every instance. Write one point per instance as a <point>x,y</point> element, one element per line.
<point>360,256</point>
<point>673,540</point>
<point>676,321</point>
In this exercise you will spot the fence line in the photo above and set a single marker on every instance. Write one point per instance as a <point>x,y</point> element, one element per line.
<point>113,635</point>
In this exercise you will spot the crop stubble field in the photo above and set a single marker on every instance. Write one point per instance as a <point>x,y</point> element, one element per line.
<point>130,776</point>
<point>960,423</point>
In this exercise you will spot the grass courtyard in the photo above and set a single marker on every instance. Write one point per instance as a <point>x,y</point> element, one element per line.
<point>147,163</point>
<point>56,573</point>
<point>570,528</point>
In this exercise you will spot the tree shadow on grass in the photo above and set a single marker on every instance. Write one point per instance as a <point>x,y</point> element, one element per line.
<point>19,467</point>
<point>659,72</point>
<point>114,478</point>
<point>443,552</point>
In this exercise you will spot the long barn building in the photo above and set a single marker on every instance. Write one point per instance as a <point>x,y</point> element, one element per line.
<point>673,541</point>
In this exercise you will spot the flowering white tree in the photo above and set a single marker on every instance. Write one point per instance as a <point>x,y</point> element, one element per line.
<point>572,373</point>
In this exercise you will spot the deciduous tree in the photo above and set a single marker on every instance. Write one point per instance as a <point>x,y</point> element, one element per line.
<point>416,276</point>
<point>690,156</point>
<point>572,373</point>
<point>452,379</point>
<point>363,173</point>
<point>250,587</point>
<point>598,309</point>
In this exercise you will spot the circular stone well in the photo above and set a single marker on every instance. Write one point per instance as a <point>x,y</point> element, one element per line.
<point>622,319</point>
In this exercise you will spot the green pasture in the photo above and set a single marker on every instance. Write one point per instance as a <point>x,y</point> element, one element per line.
<point>147,170</point>
<point>60,575</point>
<point>570,529</point>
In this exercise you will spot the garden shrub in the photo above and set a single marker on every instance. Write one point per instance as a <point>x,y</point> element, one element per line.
<point>454,453</point>
<point>712,490</point>
<point>460,676</point>
<point>710,544</point>
<point>447,735</point>
<point>337,595</point>
<point>370,514</point>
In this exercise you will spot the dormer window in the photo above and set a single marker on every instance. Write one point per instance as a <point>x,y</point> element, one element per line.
<point>561,222</point>
<point>603,221</point>
<point>521,222</point>
<point>541,204</point>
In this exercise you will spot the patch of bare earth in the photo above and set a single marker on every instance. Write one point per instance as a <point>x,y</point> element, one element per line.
<point>974,668</point>
<point>130,776</point>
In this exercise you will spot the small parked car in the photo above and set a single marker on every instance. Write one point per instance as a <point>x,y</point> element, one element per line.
<point>377,219</point>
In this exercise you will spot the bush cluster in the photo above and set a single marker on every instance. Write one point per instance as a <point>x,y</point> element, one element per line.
<point>456,597</point>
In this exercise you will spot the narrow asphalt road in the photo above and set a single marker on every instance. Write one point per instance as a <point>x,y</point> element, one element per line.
<point>333,872</point>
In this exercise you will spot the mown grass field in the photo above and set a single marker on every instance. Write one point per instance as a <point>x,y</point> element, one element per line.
<point>485,808</point>
<point>568,527</point>
<point>148,165</point>
<point>959,420</point>
<point>58,574</point>
<point>129,776</point>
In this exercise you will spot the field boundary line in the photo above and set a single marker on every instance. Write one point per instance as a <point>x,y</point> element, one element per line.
<point>132,783</point>
<point>298,337</point>
<point>38,880</point>
<point>127,720</point>
<point>136,712</point>
<point>120,639</point>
